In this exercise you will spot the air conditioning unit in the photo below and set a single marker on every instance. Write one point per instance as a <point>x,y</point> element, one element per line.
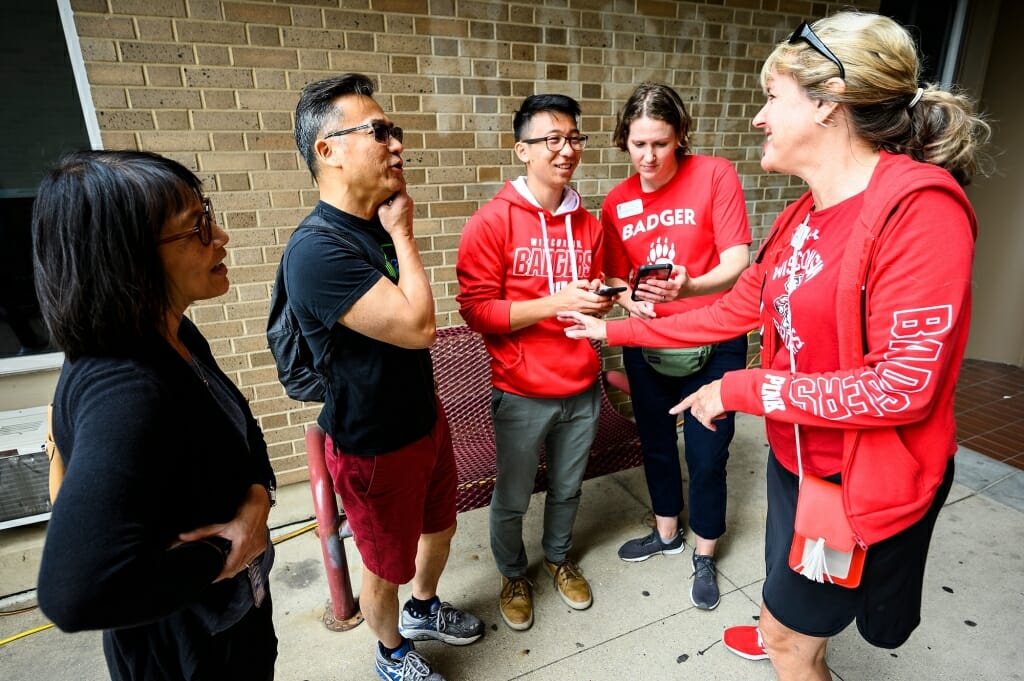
<point>24,468</point>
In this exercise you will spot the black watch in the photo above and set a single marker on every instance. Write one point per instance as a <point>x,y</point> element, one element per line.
<point>272,493</point>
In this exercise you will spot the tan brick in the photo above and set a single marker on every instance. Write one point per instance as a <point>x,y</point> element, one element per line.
<point>125,120</point>
<point>308,16</point>
<point>360,42</point>
<point>156,53</point>
<point>119,140</point>
<point>171,120</point>
<point>272,120</point>
<point>164,98</point>
<point>109,98</point>
<point>354,21</point>
<point>482,9</point>
<point>210,32</point>
<point>214,162</point>
<point>114,74</point>
<point>278,180</point>
<point>227,182</point>
<point>99,6</point>
<point>155,30</point>
<point>98,49</point>
<point>175,141</point>
<point>270,79</point>
<point>104,27</point>
<point>220,99</point>
<point>228,141</point>
<point>265,57</point>
<point>253,13</point>
<point>205,9</point>
<point>206,314</point>
<point>218,77</point>
<point>213,55</point>
<point>399,44</point>
<point>267,100</point>
<point>308,37</point>
<point>163,76</point>
<point>164,8</point>
<point>225,120</point>
<point>269,36</point>
<point>275,141</point>
<point>284,161</point>
<point>451,28</point>
<point>342,62</point>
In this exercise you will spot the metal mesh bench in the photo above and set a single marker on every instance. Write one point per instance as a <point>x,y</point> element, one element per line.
<point>463,374</point>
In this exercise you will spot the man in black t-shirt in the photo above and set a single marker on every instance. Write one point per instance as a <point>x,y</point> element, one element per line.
<point>364,304</point>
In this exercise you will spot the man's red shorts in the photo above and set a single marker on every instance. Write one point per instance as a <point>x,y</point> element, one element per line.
<point>391,499</point>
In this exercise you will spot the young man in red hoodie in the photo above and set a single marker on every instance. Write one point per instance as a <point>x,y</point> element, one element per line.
<point>529,253</point>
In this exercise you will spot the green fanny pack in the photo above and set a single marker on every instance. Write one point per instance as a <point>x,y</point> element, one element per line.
<point>678,362</point>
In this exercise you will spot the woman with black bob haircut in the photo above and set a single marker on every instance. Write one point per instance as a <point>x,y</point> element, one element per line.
<point>159,533</point>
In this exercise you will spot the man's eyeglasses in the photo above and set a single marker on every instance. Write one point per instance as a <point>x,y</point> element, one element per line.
<point>203,228</point>
<point>558,142</point>
<point>803,33</point>
<point>381,131</point>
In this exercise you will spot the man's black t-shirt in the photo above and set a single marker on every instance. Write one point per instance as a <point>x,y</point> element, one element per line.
<point>381,396</point>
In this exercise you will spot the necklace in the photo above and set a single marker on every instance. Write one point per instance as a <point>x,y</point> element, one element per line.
<point>200,372</point>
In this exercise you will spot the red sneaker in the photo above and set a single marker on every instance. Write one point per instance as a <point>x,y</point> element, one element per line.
<point>746,642</point>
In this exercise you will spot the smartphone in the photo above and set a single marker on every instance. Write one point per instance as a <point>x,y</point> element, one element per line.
<point>661,270</point>
<point>610,290</point>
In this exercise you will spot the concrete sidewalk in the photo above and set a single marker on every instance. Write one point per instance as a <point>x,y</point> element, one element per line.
<point>642,624</point>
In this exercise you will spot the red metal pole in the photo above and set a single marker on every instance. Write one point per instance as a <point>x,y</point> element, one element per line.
<point>342,612</point>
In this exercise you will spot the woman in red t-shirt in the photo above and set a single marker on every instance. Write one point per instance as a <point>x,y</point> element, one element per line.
<point>687,211</point>
<point>863,327</point>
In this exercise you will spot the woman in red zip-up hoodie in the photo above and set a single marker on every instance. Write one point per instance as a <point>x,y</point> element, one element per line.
<point>863,326</point>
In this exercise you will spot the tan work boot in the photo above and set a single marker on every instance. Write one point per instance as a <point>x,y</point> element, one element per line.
<point>516,603</point>
<point>570,583</point>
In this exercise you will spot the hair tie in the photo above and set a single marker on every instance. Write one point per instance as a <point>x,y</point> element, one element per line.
<point>916,99</point>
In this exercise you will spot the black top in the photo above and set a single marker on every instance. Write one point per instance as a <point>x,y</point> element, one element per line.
<point>150,454</point>
<point>380,396</point>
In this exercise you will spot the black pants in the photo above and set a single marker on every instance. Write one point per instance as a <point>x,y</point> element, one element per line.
<point>175,648</point>
<point>886,605</point>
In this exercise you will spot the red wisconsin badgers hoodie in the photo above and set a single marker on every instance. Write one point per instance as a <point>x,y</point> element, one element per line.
<point>902,306</point>
<point>512,249</point>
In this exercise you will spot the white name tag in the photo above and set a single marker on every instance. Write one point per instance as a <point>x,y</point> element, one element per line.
<point>629,208</point>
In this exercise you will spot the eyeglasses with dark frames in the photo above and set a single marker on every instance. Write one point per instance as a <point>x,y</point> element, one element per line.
<point>203,227</point>
<point>558,142</point>
<point>381,131</point>
<point>803,33</point>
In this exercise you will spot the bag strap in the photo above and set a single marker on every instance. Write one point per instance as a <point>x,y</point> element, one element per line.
<point>799,239</point>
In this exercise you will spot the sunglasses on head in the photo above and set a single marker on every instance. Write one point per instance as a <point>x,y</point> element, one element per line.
<point>381,131</point>
<point>803,33</point>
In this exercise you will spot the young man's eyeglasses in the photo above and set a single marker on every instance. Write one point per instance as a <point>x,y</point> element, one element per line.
<point>381,131</point>
<point>203,228</point>
<point>558,142</point>
<point>803,33</point>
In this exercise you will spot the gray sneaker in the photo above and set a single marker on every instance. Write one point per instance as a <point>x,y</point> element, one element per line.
<point>410,666</point>
<point>643,548</point>
<point>445,623</point>
<point>704,592</point>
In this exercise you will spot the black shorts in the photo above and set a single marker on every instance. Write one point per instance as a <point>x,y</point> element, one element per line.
<point>886,605</point>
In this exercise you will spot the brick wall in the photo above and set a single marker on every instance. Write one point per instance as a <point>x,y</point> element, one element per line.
<point>213,84</point>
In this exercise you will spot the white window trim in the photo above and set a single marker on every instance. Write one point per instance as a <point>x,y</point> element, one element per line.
<point>30,364</point>
<point>92,124</point>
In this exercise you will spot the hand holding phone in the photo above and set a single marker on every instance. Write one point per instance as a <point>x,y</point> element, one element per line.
<point>661,270</point>
<point>610,290</point>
